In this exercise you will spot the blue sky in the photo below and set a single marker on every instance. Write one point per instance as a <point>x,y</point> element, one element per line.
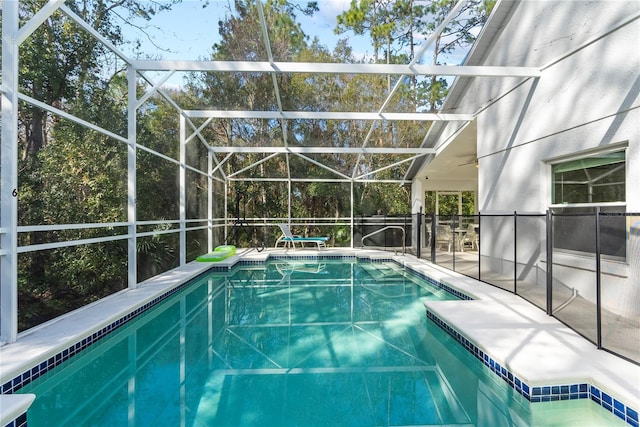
<point>189,29</point>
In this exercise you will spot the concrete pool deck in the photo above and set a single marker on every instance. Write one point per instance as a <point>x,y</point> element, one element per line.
<point>537,348</point>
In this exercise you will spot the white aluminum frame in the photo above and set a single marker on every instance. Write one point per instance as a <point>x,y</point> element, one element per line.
<point>9,164</point>
<point>335,68</point>
<point>12,37</point>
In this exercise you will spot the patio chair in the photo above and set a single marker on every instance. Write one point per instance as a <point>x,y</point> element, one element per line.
<point>444,237</point>
<point>288,238</point>
<point>470,238</point>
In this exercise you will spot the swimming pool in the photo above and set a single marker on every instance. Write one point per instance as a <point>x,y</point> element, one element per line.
<point>290,342</point>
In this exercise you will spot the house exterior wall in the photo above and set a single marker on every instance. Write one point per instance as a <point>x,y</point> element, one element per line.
<point>586,99</point>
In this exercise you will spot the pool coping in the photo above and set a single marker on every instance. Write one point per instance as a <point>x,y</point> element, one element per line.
<point>538,356</point>
<point>56,341</point>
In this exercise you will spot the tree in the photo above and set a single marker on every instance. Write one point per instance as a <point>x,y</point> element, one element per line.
<point>69,174</point>
<point>380,19</point>
<point>459,33</point>
<point>252,91</point>
<point>397,24</point>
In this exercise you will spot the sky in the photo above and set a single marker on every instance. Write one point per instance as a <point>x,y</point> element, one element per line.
<point>189,29</point>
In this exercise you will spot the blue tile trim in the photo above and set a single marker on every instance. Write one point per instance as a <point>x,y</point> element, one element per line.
<point>40,369</point>
<point>546,393</point>
<point>308,257</point>
<point>21,421</point>
<point>442,286</point>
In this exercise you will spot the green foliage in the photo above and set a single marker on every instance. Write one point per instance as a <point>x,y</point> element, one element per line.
<point>395,24</point>
<point>157,253</point>
<point>69,174</point>
<point>385,21</point>
<point>448,203</point>
<point>382,199</point>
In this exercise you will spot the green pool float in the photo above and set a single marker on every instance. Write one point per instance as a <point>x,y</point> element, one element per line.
<point>219,253</point>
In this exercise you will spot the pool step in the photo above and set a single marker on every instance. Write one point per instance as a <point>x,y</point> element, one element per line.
<point>383,271</point>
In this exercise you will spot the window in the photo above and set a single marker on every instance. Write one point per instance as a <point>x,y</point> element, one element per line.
<point>579,187</point>
<point>594,179</point>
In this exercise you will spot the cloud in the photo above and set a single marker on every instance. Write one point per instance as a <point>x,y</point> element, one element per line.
<point>333,8</point>
<point>329,10</point>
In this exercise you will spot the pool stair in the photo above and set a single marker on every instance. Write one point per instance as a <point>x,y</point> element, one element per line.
<point>14,407</point>
<point>390,279</point>
<point>382,271</point>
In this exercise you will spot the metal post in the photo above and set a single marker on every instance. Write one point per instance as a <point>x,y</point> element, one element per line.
<point>384,224</point>
<point>419,233</point>
<point>549,262</point>
<point>132,215</point>
<point>226,207</point>
<point>598,282</point>
<point>183,192</point>
<point>9,165</point>
<point>515,252</point>
<point>209,201</point>
<point>405,225</point>
<point>453,230</point>
<point>289,203</point>
<point>479,242</point>
<point>352,219</point>
<point>433,238</point>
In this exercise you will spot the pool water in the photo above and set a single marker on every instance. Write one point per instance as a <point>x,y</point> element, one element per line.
<point>290,343</point>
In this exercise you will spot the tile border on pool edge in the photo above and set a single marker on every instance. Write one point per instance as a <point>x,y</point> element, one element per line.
<point>547,393</point>
<point>20,421</point>
<point>15,384</point>
<point>449,289</point>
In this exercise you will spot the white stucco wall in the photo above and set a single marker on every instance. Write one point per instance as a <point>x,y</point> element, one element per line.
<point>588,97</point>
<point>584,101</point>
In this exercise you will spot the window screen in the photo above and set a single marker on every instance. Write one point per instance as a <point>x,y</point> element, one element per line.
<point>591,180</point>
<point>595,179</point>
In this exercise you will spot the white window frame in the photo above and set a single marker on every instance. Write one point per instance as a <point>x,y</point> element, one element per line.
<point>567,254</point>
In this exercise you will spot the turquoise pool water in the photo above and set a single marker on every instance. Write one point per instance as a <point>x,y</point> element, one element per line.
<point>290,343</point>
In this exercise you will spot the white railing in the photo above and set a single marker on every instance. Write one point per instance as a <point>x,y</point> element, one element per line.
<point>397,227</point>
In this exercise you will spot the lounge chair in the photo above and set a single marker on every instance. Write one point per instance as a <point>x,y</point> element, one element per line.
<point>289,239</point>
